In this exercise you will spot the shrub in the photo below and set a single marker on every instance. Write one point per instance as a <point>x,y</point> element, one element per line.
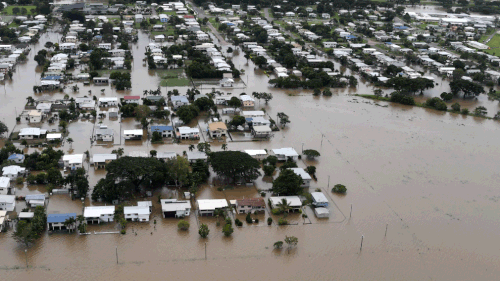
<point>227,230</point>
<point>402,98</point>
<point>276,211</point>
<point>228,221</point>
<point>455,107</point>
<point>248,218</point>
<point>278,245</point>
<point>203,231</point>
<point>268,170</point>
<point>183,225</point>
<point>436,103</point>
<point>282,221</point>
<point>256,220</point>
<point>311,170</point>
<point>339,188</point>
<point>217,223</point>
<point>123,231</point>
<point>19,180</point>
<point>263,194</point>
<point>465,111</point>
<point>269,221</point>
<point>237,222</point>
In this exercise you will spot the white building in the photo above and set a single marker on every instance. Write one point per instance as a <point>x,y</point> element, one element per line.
<point>133,134</point>
<point>208,206</point>
<point>187,133</point>
<point>306,178</point>
<point>293,201</point>
<point>31,133</point>
<point>7,203</point>
<point>257,153</point>
<point>73,161</point>
<point>175,208</point>
<point>13,171</point>
<point>319,199</point>
<point>137,213</point>
<point>98,214</point>
<point>286,153</point>
<point>4,185</point>
<point>101,160</point>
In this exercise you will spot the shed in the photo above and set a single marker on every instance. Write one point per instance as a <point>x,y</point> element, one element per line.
<point>321,212</point>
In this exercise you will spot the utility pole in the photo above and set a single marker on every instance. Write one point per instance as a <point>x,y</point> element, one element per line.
<point>26,255</point>
<point>328,182</point>
<point>116,254</point>
<point>205,250</point>
<point>386,226</point>
<point>361,248</point>
<point>350,214</point>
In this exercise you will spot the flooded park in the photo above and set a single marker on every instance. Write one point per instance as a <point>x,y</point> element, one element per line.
<point>421,200</point>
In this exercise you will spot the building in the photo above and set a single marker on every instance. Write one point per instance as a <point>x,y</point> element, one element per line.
<point>293,201</point>
<point>163,18</point>
<point>195,155</point>
<point>165,131</point>
<point>166,155</point>
<point>98,214</point>
<point>56,221</point>
<point>100,80</point>
<point>54,137</point>
<point>13,172</point>
<point>73,161</point>
<point>207,207</point>
<point>104,134</point>
<point>35,116</point>
<point>227,82</point>
<point>7,203</point>
<point>217,129</point>
<point>321,212</point>
<point>139,18</point>
<point>185,133</point>
<point>34,200</point>
<point>247,101</point>
<point>3,219</point>
<point>319,199</point>
<point>16,158</point>
<point>132,99</point>
<point>250,205</point>
<point>133,134</point>
<point>286,153</point>
<point>261,131</point>
<point>101,160</point>
<point>4,185</point>
<point>138,153</point>
<point>31,133</point>
<point>175,208</point>
<point>306,178</point>
<point>106,102</point>
<point>257,153</point>
<point>137,213</point>
<point>178,101</point>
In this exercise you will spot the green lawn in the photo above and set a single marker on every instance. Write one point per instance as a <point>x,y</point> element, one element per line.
<point>169,31</point>
<point>175,82</point>
<point>172,77</point>
<point>494,45</point>
<point>108,72</point>
<point>8,10</point>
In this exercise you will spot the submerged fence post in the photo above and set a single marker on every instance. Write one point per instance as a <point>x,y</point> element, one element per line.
<point>386,226</point>
<point>361,247</point>
<point>205,250</point>
<point>116,254</point>
<point>350,214</point>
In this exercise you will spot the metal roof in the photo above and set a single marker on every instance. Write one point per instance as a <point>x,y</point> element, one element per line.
<point>60,218</point>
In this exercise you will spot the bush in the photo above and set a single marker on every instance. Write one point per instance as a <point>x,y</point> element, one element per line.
<point>183,225</point>
<point>455,107</point>
<point>204,231</point>
<point>19,180</point>
<point>465,111</point>
<point>31,179</point>
<point>278,245</point>
<point>271,160</point>
<point>227,230</point>
<point>269,221</point>
<point>276,211</point>
<point>248,218</point>
<point>311,170</point>
<point>263,194</point>
<point>237,222</point>
<point>268,170</point>
<point>402,98</point>
<point>282,221</point>
<point>228,221</point>
<point>123,231</point>
<point>436,103</point>
<point>339,188</point>
<point>256,220</point>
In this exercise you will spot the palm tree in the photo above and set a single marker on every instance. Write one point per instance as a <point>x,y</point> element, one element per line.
<point>70,141</point>
<point>70,223</point>
<point>224,147</point>
<point>81,223</point>
<point>191,147</point>
<point>284,206</point>
<point>102,91</point>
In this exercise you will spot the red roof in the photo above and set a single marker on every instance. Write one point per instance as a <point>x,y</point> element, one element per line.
<point>189,17</point>
<point>132,98</point>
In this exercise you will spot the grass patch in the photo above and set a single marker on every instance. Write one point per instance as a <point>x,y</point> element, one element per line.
<point>494,95</point>
<point>173,77</point>
<point>109,71</point>
<point>175,82</point>
<point>169,31</point>
<point>12,24</point>
<point>494,44</point>
<point>8,10</point>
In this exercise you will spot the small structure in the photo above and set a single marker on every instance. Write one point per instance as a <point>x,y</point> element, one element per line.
<point>101,160</point>
<point>175,208</point>
<point>226,82</point>
<point>250,205</point>
<point>321,212</point>
<point>138,153</point>
<point>17,158</point>
<point>247,101</point>
<point>98,214</point>
<point>261,131</point>
<point>306,178</point>
<point>31,133</point>
<point>293,201</point>
<point>133,134</point>
<point>195,155</point>
<point>4,185</point>
<point>113,113</point>
<point>319,199</point>
<point>56,221</point>
<point>217,129</point>
<point>178,101</point>
<point>3,219</point>
<point>185,133</point>
<point>207,207</point>
<point>73,161</point>
<point>54,137</point>
<point>101,80</point>
<point>257,153</point>
<point>137,213</point>
<point>166,155</point>
<point>104,134</point>
<point>7,203</point>
<point>34,200</point>
<point>286,153</point>
<point>165,131</point>
<point>26,216</point>
<point>35,116</point>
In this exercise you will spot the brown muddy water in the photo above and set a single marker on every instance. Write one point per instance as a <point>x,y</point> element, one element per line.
<point>429,177</point>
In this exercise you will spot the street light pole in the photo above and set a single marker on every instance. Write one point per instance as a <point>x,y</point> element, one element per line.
<point>26,255</point>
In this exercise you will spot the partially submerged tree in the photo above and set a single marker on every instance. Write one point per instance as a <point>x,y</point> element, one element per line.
<point>287,183</point>
<point>311,153</point>
<point>204,231</point>
<point>291,241</point>
<point>235,165</point>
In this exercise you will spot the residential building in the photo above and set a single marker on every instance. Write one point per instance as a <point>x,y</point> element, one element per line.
<point>35,116</point>
<point>286,153</point>
<point>139,18</point>
<point>101,160</point>
<point>178,101</point>
<point>34,200</point>
<point>31,133</point>
<point>293,201</point>
<point>137,213</point>
<point>3,220</point>
<point>175,208</point>
<point>185,133</point>
<point>321,212</point>
<point>4,185</point>
<point>261,131</point>
<point>56,221</point>
<point>319,199</point>
<point>195,155</point>
<point>16,158</point>
<point>107,102</point>
<point>98,214</point>
<point>165,131</point>
<point>73,161</point>
<point>133,134</point>
<point>256,153</point>
<point>207,207</point>
<point>132,99</point>
<point>250,205</point>
<point>13,172</point>
<point>104,134</point>
<point>247,101</point>
<point>217,129</point>
<point>7,203</point>
<point>166,155</point>
<point>306,178</point>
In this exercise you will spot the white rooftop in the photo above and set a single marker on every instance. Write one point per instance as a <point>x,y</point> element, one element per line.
<point>287,151</point>
<point>302,173</point>
<point>133,132</point>
<point>141,210</point>
<point>4,182</point>
<point>319,197</point>
<point>12,170</point>
<point>170,205</point>
<point>255,152</point>
<point>99,158</point>
<point>9,199</point>
<point>211,204</point>
<point>73,158</point>
<point>97,211</point>
<point>293,201</point>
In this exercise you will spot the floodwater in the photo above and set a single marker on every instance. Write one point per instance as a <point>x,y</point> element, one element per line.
<point>421,190</point>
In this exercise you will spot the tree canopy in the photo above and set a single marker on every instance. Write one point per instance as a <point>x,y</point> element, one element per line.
<point>234,165</point>
<point>287,183</point>
<point>468,88</point>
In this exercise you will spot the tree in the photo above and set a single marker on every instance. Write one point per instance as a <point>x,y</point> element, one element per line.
<point>283,119</point>
<point>224,147</point>
<point>156,137</point>
<point>178,169</point>
<point>455,107</point>
<point>141,111</point>
<point>70,141</point>
<point>291,241</point>
<point>235,165</point>
<point>268,170</point>
<point>480,111</point>
<point>266,97</point>
<point>153,153</point>
<point>287,183</point>
<point>204,103</point>
<point>284,206</point>
<point>63,124</point>
<point>78,182</point>
<point>227,230</point>
<point>187,113</point>
<point>339,188</point>
<point>204,231</point>
<point>311,153</point>
<point>23,233</point>
<point>378,92</point>
<point>260,61</point>
<point>3,128</point>
<point>327,92</point>
<point>446,96</point>
<point>316,92</point>
<point>69,223</point>
<point>183,225</point>
<point>468,88</point>
<point>436,103</point>
<point>54,177</point>
<point>234,102</point>
<point>191,147</point>
<point>278,245</point>
<point>229,50</point>
<point>238,120</point>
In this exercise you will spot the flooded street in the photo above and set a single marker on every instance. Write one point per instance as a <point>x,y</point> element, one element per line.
<point>427,177</point>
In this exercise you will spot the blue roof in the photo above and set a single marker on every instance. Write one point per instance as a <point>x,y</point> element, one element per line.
<point>52,77</point>
<point>179,98</point>
<point>249,119</point>
<point>16,156</point>
<point>388,43</point>
<point>401,27</point>
<point>59,218</point>
<point>351,37</point>
<point>34,197</point>
<point>161,128</point>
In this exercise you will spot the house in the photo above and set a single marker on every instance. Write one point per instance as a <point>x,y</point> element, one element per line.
<point>226,82</point>
<point>104,134</point>
<point>105,46</point>
<point>4,185</point>
<point>73,161</point>
<point>165,131</point>
<point>133,134</point>
<point>107,102</point>
<point>163,18</point>
<point>293,201</point>
<point>100,80</point>
<point>208,206</point>
<point>13,171</point>
<point>137,213</point>
<point>256,153</point>
<point>16,158</point>
<point>34,200</point>
<point>3,220</point>
<point>319,199</point>
<point>258,113</point>
<point>131,99</point>
<point>54,137</point>
<point>195,155</point>
<point>35,116</point>
<point>138,153</point>
<point>306,178</point>
<point>175,208</point>
<point>26,216</point>
<point>185,133</point>
<point>250,205</point>
<point>139,18</point>
<point>101,160</point>
<point>31,133</point>
<point>166,155</point>
<point>247,101</point>
<point>56,221</point>
<point>113,113</point>
<point>330,44</point>
<point>258,121</point>
<point>261,131</point>
<point>178,101</point>
<point>286,153</point>
<point>7,203</point>
<point>325,15</point>
<point>98,214</point>
<point>217,129</point>
<point>321,212</point>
